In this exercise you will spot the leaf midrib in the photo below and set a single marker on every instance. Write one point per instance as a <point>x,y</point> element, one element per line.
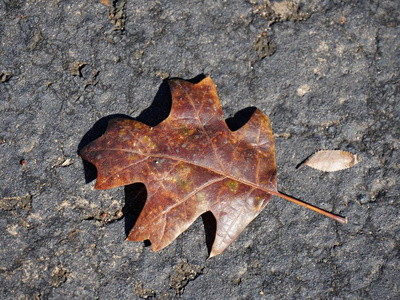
<point>227,176</point>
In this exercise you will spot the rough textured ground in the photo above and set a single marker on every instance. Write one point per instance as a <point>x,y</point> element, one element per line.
<point>326,72</point>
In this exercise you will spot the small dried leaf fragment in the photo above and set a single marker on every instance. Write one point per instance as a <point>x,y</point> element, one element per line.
<point>331,160</point>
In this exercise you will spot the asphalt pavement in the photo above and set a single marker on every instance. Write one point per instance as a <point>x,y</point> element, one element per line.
<point>326,72</point>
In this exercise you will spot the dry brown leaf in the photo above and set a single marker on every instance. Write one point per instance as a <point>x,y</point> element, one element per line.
<point>191,163</point>
<point>331,160</point>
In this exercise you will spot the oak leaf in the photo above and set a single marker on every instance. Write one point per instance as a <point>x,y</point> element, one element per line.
<point>191,163</point>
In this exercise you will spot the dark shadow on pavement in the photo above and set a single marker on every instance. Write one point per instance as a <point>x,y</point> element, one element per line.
<point>135,198</point>
<point>240,118</point>
<point>210,227</point>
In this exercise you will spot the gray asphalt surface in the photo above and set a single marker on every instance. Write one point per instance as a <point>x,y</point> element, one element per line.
<point>326,72</point>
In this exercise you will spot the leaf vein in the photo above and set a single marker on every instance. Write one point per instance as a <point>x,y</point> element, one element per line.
<point>165,156</point>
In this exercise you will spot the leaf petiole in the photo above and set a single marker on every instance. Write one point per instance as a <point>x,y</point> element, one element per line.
<point>312,207</point>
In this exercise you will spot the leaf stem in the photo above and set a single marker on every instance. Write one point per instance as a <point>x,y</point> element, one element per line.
<point>312,207</point>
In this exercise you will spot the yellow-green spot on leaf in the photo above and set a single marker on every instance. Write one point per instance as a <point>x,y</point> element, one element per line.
<point>257,202</point>
<point>187,185</point>
<point>202,201</point>
<point>122,132</point>
<point>200,197</point>
<point>184,177</point>
<point>153,145</point>
<point>232,185</point>
<point>185,131</point>
<point>148,143</point>
<point>132,157</point>
<point>184,171</point>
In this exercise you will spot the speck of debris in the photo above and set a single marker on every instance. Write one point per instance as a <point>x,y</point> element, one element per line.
<point>4,77</point>
<point>75,68</point>
<point>183,273</point>
<point>13,203</point>
<point>143,292</point>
